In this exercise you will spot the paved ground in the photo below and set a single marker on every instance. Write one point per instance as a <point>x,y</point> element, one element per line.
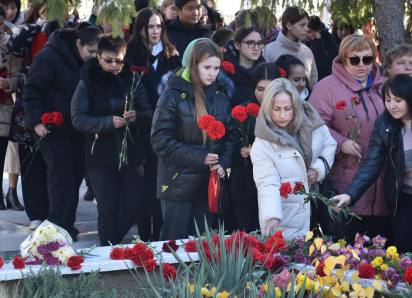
<point>14,225</point>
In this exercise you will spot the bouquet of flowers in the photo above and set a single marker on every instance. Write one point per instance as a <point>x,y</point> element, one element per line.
<point>354,131</point>
<point>49,244</point>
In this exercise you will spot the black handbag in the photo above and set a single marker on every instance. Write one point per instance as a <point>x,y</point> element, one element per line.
<point>320,215</point>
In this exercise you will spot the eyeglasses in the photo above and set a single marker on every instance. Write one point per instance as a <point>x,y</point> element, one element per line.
<point>251,44</point>
<point>110,61</point>
<point>354,61</point>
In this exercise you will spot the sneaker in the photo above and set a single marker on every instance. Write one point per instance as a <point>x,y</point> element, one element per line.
<point>34,224</point>
<point>88,195</point>
<point>95,202</point>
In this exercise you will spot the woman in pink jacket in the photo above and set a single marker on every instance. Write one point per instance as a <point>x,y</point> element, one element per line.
<point>354,74</point>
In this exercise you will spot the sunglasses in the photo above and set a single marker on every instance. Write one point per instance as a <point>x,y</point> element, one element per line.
<point>354,61</point>
<point>110,61</point>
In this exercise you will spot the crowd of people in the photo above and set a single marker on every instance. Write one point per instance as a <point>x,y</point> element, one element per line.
<point>326,102</point>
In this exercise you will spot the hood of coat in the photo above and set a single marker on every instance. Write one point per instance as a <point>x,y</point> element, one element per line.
<point>241,75</point>
<point>177,25</point>
<point>65,44</point>
<point>275,134</point>
<point>287,43</point>
<point>340,72</point>
<point>109,83</point>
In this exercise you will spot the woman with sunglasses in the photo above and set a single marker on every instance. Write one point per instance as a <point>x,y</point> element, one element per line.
<point>245,53</point>
<point>355,76</point>
<point>98,109</point>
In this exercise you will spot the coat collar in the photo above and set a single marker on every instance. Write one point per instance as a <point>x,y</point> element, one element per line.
<point>287,43</point>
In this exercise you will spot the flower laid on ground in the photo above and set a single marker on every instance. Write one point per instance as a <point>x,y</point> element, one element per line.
<point>367,271</point>
<point>408,276</point>
<point>19,263</point>
<point>150,265</point>
<point>275,243</point>
<point>320,270</point>
<point>169,272</point>
<point>172,244</point>
<point>190,246</point>
<point>74,262</point>
<point>140,254</point>
<point>117,253</point>
<point>1,262</point>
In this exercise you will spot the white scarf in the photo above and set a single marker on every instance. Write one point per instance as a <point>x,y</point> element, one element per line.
<point>157,48</point>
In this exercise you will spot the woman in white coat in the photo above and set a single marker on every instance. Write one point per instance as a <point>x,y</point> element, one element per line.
<point>290,137</point>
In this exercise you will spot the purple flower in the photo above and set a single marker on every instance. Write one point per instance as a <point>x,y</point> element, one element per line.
<point>288,247</point>
<point>42,249</point>
<point>378,240</point>
<point>53,246</point>
<point>396,278</point>
<point>50,259</point>
<point>36,261</point>
<point>300,242</point>
<point>405,263</point>
<point>299,257</point>
<point>389,272</point>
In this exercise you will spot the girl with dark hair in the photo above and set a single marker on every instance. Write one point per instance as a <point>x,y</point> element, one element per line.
<point>14,16</point>
<point>50,85</point>
<point>319,40</point>
<point>289,41</point>
<point>149,47</point>
<point>98,108</point>
<point>391,140</point>
<point>340,32</point>
<point>295,72</point>
<point>185,160</point>
<point>244,191</point>
<point>245,53</point>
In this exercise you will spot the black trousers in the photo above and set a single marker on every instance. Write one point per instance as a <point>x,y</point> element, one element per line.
<point>64,156</point>
<point>33,169</point>
<point>179,218</point>
<point>402,224</point>
<point>118,196</point>
<point>247,215</point>
<point>4,141</point>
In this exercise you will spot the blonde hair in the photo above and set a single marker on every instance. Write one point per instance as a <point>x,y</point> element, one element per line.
<point>356,43</point>
<point>202,50</point>
<point>283,86</point>
<point>167,3</point>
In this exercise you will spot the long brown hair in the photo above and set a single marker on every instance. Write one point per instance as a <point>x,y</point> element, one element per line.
<point>34,13</point>
<point>202,50</point>
<point>137,42</point>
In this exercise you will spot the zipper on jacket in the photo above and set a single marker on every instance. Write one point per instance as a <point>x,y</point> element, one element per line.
<point>374,105</point>
<point>396,178</point>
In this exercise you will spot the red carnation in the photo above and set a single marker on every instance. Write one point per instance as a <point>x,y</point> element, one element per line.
<point>47,118</point>
<point>74,262</point>
<point>253,109</point>
<point>139,69</point>
<point>367,271</point>
<point>285,189</point>
<point>256,255</point>
<point>150,265</point>
<point>117,254</point>
<point>408,276</point>
<point>128,253</point>
<point>169,272</point>
<point>216,130</point>
<point>138,248</point>
<point>229,67</point>
<point>355,100</point>
<point>205,121</point>
<point>298,187</point>
<point>172,244</point>
<point>19,263</point>
<point>282,72</point>
<point>319,270</point>
<point>57,118</point>
<point>134,68</point>
<point>1,262</point>
<point>216,240</point>
<point>239,113</point>
<point>276,242</point>
<point>190,246</point>
<point>341,105</point>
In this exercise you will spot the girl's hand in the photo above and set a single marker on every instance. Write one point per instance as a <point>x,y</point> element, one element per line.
<point>41,130</point>
<point>220,170</point>
<point>273,223</point>
<point>245,152</point>
<point>118,122</point>
<point>211,159</point>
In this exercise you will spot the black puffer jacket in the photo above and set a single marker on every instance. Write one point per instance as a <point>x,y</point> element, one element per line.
<point>325,51</point>
<point>386,143</point>
<point>178,141</point>
<point>99,96</point>
<point>243,185</point>
<point>181,35</point>
<point>52,80</point>
<point>241,77</point>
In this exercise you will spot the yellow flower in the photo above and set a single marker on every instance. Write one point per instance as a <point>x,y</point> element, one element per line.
<point>278,292</point>
<point>192,288</point>
<point>224,294</point>
<point>266,287</point>
<point>378,276</point>
<point>383,267</point>
<point>204,291</point>
<point>391,251</point>
<point>377,262</point>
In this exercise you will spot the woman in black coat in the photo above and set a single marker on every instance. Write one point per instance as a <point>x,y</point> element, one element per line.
<point>154,51</point>
<point>98,109</point>
<point>325,50</point>
<point>391,141</point>
<point>244,191</point>
<point>50,85</point>
<point>245,53</point>
<point>185,160</point>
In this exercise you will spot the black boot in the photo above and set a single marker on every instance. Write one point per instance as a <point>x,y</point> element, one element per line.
<point>88,195</point>
<point>13,201</point>
<point>2,206</point>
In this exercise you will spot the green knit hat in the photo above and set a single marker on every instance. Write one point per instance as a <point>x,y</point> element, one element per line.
<point>188,51</point>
